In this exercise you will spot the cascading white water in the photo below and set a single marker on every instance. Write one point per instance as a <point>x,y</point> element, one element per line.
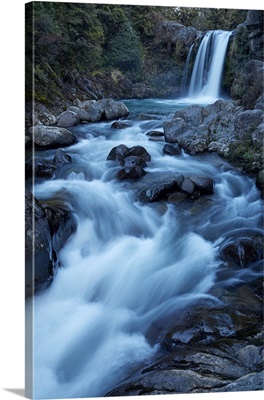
<point>208,67</point>
<point>129,268</point>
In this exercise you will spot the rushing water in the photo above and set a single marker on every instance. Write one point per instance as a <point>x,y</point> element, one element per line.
<point>130,268</point>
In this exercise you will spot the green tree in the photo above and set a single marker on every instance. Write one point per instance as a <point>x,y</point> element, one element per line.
<point>124,51</point>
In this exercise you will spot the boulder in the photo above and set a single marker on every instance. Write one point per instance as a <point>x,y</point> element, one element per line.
<point>119,125</point>
<point>155,134</point>
<point>242,248</point>
<point>51,136</point>
<point>197,129</point>
<point>118,153</point>
<point>133,161</point>
<point>172,150</point>
<point>140,151</point>
<point>44,168</point>
<point>84,105</point>
<point>133,172</point>
<point>67,119</point>
<point>177,129</point>
<point>121,151</point>
<point>171,32</point>
<point>203,184</point>
<point>158,190</point>
<point>107,109</point>
<point>188,186</point>
<point>82,115</point>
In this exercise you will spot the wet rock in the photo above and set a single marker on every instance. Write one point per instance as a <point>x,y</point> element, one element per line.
<point>44,169</point>
<point>119,125</point>
<point>172,150</point>
<point>39,254</point>
<point>177,197</point>
<point>188,186</point>
<point>177,128</point>
<point>134,172</point>
<point>61,223</point>
<point>67,119</point>
<point>155,134</point>
<point>61,157</point>
<point>203,184</point>
<point>241,248</point>
<point>51,137</point>
<point>118,153</point>
<point>133,161</point>
<point>140,151</point>
<point>241,253</point>
<point>158,191</point>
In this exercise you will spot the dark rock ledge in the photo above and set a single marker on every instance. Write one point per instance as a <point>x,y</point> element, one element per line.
<point>211,347</point>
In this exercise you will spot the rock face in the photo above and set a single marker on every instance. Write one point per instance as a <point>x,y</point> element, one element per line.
<point>51,137</point>
<point>197,129</point>
<point>223,128</point>
<point>171,32</point>
<point>248,84</point>
<point>254,23</point>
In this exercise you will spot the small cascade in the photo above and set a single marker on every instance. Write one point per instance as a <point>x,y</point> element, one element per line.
<point>208,67</point>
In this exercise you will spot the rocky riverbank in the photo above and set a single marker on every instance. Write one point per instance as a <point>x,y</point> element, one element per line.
<point>215,344</point>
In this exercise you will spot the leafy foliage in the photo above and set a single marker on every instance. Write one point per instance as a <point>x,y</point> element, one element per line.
<point>79,38</point>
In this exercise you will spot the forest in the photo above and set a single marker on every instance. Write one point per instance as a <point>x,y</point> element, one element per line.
<point>89,40</point>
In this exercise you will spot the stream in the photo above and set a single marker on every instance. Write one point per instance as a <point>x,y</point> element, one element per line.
<point>130,268</point>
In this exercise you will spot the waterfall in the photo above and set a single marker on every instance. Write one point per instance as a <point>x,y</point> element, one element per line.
<point>208,66</point>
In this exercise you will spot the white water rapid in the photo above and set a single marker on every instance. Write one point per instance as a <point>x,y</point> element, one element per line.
<point>208,67</point>
<point>130,268</point>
